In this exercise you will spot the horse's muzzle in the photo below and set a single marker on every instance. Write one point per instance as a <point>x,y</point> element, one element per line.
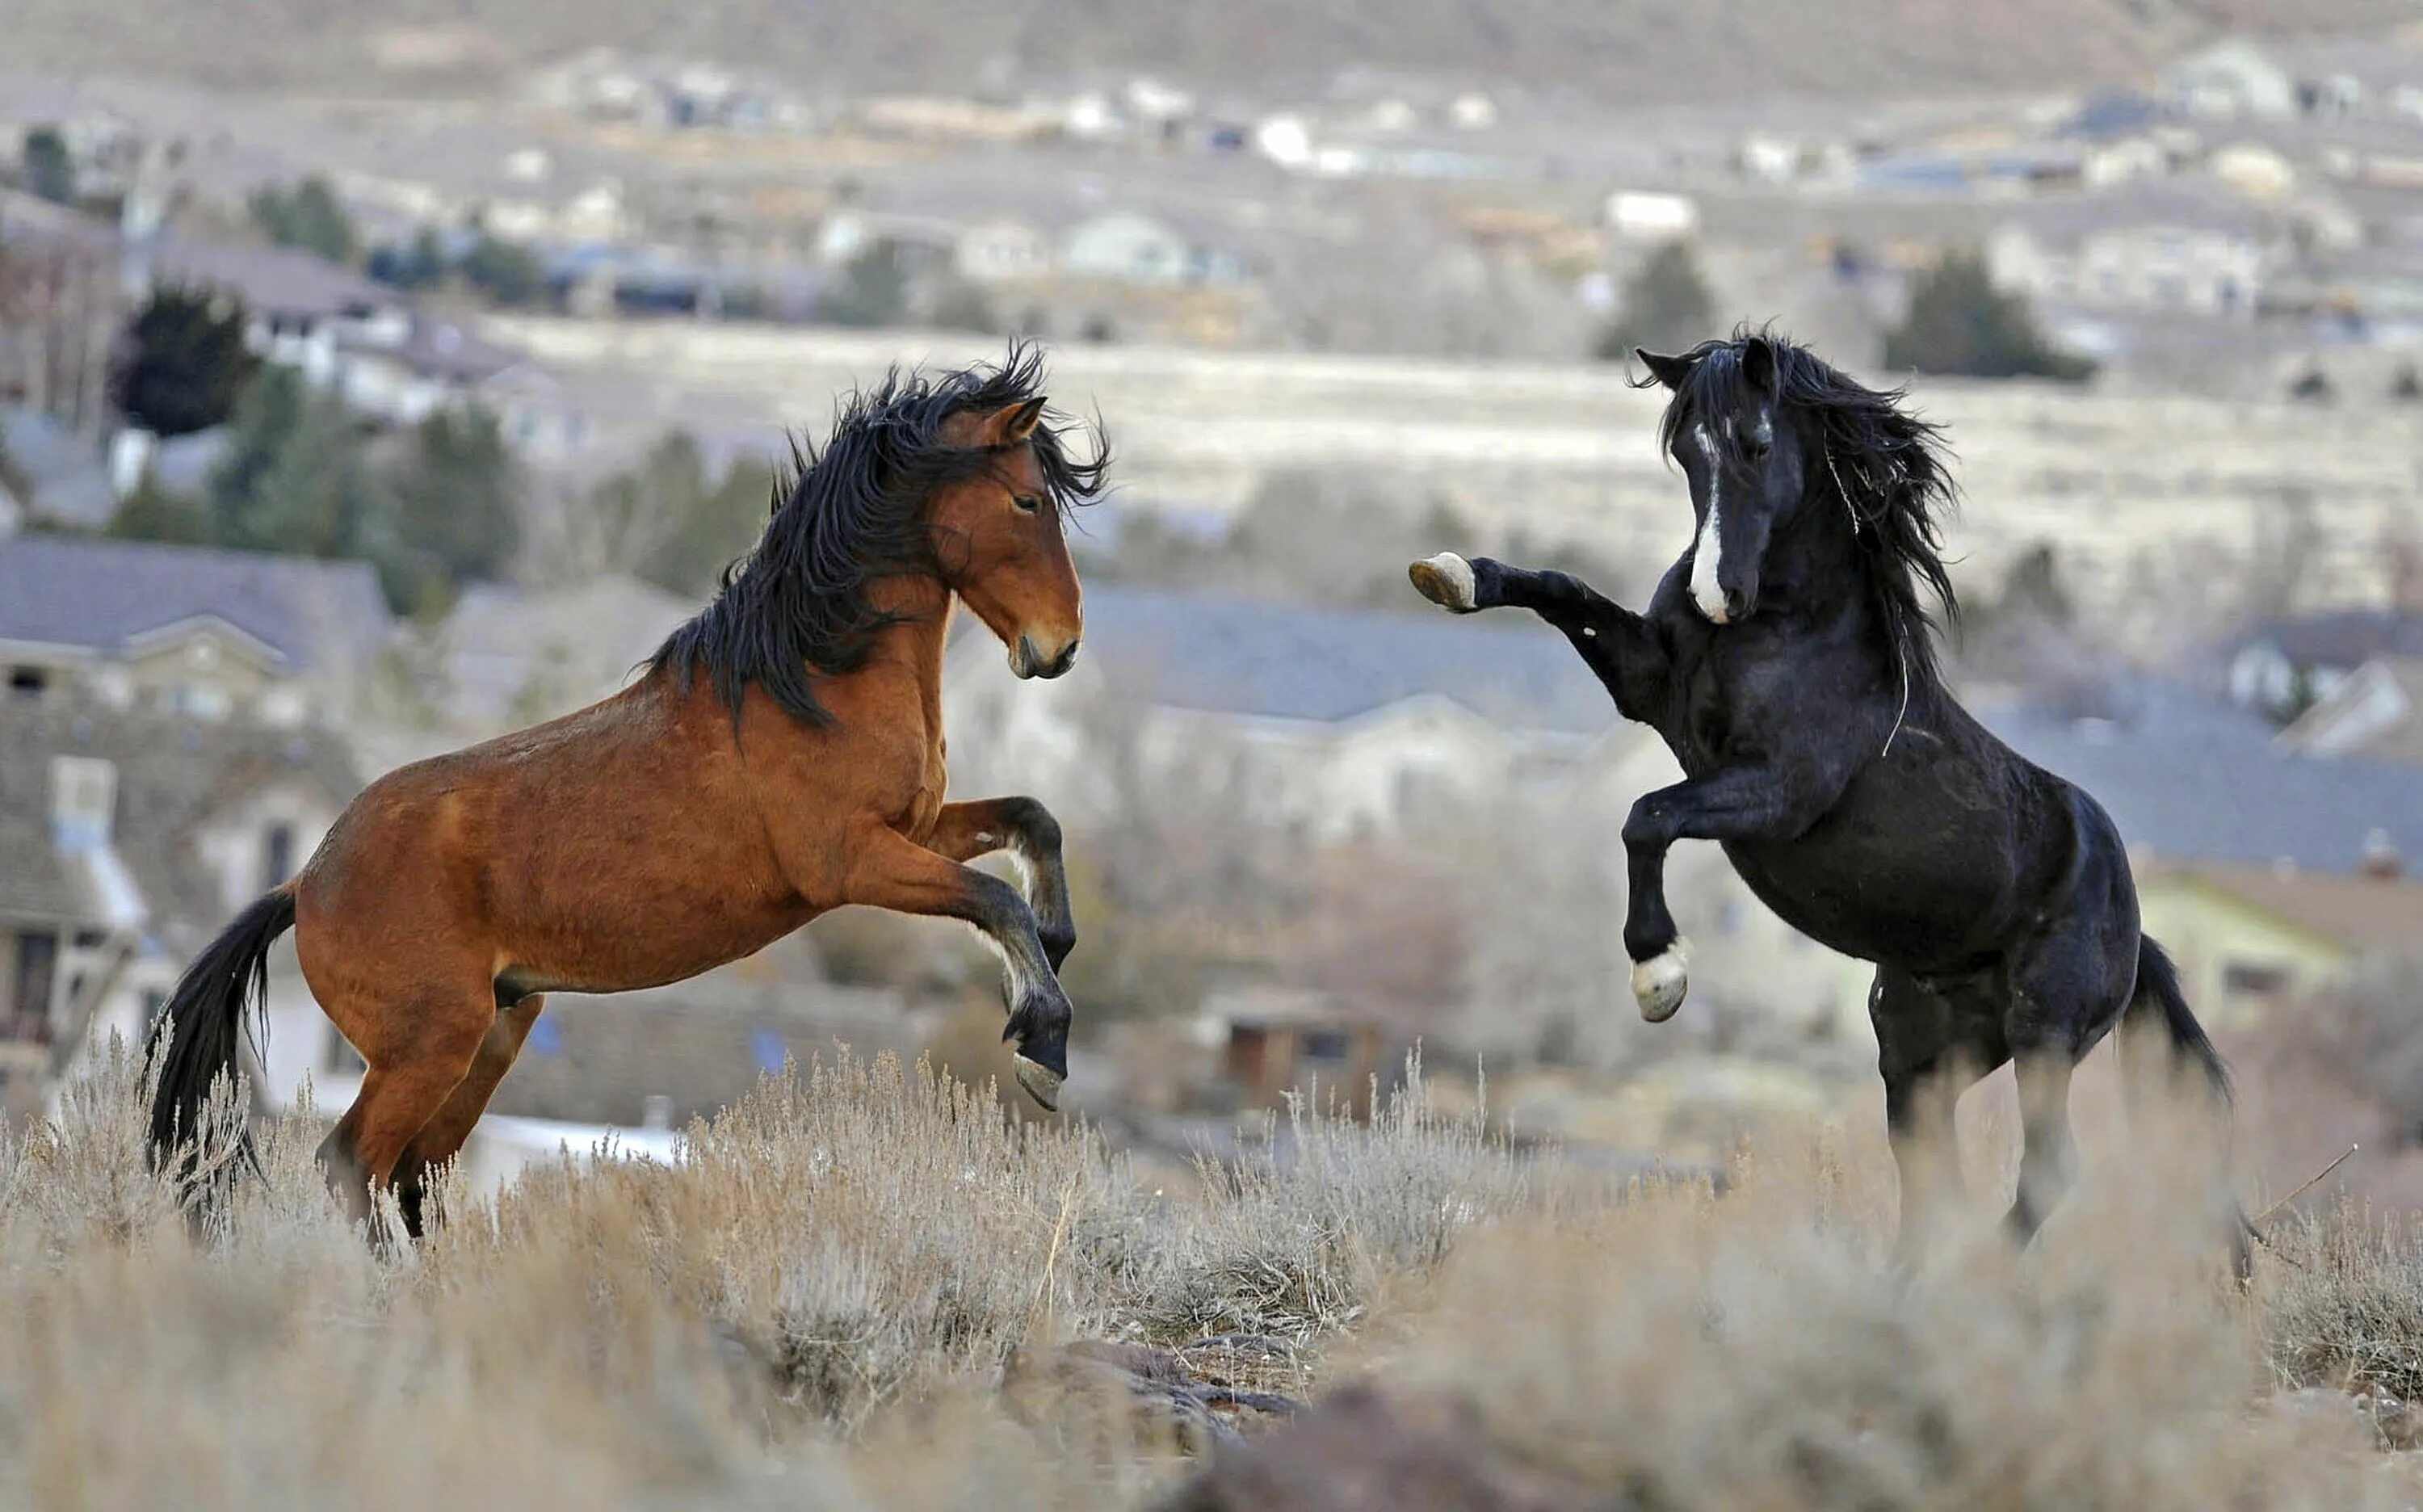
<point>1029,659</point>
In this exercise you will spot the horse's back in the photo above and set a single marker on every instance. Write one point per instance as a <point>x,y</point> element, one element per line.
<point>582,847</point>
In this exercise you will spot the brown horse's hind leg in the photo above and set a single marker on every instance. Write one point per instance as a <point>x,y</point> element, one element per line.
<point>443,1134</point>
<point>418,1050</point>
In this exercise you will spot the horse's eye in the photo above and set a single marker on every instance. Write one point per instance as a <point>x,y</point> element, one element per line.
<point>1754,450</point>
<point>1027,503</point>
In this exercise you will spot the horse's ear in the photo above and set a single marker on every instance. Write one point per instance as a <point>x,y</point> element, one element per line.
<point>1669,371</point>
<point>1008,427</point>
<point>1758,364</point>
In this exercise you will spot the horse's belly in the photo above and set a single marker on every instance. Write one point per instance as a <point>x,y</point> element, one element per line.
<point>1921,903</point>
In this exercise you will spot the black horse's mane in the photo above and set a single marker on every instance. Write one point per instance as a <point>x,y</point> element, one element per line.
<point>849,515</point>
<point>1886,466</point>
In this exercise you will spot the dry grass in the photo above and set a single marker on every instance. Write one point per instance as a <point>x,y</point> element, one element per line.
<point>821,1306</point>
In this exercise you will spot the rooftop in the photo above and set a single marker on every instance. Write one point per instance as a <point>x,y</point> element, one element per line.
<point>2189,778</point>
<point>2357,912</point>
<point>99,595</point>
<point>1225,654</point>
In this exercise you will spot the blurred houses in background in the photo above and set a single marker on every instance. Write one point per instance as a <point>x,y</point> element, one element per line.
<point>1306,835</point>
<point>208,634</point>
<point>128,837</point>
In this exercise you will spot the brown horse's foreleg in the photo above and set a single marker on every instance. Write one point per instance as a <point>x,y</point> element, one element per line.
<point>1027,831</point>
<point>419,1054</point>
<point>888,870</point>
<point>443,1134</point>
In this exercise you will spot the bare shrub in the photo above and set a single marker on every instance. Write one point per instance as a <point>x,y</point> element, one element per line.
<point>818,1303</point>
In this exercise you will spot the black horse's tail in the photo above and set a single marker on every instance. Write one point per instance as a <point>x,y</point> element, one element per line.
<point>205,1018</point>
<point>2157,992</point>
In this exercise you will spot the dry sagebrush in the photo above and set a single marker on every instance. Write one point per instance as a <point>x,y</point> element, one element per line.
<point>815,1308</point>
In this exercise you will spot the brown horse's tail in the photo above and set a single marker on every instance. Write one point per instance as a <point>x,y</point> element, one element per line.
<point>2158,993</point>
<point>203,1020</point>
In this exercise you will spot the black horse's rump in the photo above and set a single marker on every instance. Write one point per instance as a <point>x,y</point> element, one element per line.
<point>1786,659</point>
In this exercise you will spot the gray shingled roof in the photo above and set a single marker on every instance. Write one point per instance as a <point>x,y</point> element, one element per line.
<point>1231,655</point>
<point>98,594</point>
<point>173,773</point>
<point>2194,779</point>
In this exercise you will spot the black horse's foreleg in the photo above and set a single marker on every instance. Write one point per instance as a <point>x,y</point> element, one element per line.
<point>1618,647</point>
<point>1761,803</point>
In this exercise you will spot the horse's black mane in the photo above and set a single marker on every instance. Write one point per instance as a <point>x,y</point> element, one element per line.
<point>847,516</point>
<point>1885,466</point>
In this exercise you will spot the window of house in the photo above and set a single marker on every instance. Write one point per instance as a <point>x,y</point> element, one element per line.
<point>29,989</point>
<point>1326,1045</point>
<point>276,854</point>
<point>2248,979</point>
<point>83,798</point>
<point>28,682</point>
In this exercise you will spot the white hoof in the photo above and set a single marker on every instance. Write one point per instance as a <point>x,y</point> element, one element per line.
<point>1445,579</point>
<point>1659,983</point>
<point>1041,1083</point>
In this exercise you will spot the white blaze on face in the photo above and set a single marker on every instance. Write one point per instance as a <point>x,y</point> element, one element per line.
<point>1705,555</point>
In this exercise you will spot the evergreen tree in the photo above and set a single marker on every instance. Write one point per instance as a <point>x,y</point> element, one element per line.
<point>308,216</point>
<point>153,512</point>
<point>296,477</point>
<point>874,290</point>
<point>1959,323</point>
<point>457,496</point>
<point>185,362</point>
<point>507,272</point>
<point>708,528</point>
<point>1664,307</point>
<point>417,264</point>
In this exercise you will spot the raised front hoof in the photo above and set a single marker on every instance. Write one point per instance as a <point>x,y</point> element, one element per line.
<point>1446,579</point>
<point>1041,1083</point>
<point>1660,983</point>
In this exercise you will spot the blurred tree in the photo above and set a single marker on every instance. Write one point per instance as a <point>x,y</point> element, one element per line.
<point>184,362</point>
<point>457,495</point>
<point>297,478</point>
<point>1664,306</point>
<point>962,307</point>
<point>418,265</point>
<point>1958,323</point>
<point>874,290</point>
<point>308,216</point>
<point>153,512</point>
<point>49,171</point>
<point>507,272</point>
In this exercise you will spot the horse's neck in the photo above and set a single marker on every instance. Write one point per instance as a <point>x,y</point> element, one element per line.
<point>1822,562</point>
<point>923,607</point>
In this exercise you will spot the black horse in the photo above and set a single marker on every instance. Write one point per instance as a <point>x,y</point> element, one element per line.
<point>1788,661</point>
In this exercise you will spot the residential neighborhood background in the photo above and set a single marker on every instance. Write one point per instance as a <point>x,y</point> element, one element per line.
<point>368,391</point>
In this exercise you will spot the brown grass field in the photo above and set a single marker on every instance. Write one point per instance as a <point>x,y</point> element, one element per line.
<point>859,1289</point>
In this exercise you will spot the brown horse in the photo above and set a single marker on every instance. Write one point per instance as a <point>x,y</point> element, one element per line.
<point>781,757</point>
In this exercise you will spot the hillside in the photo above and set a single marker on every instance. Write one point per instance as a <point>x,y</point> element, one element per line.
<point>1645,50</point>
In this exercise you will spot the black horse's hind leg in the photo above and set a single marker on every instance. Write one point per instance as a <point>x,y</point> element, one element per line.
<point>1931,1046</point>
<point>2067,986</point>
<point>2049,1156</point>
